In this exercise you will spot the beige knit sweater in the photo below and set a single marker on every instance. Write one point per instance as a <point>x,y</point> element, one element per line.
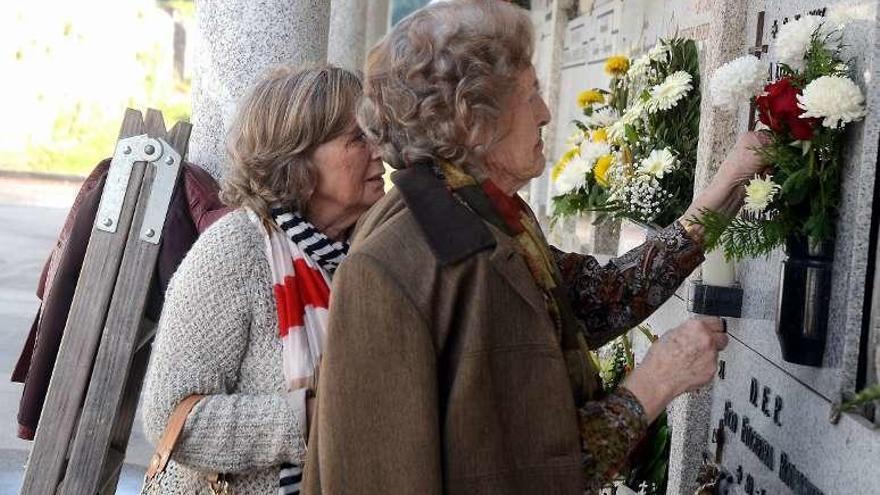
<point>218,336</point>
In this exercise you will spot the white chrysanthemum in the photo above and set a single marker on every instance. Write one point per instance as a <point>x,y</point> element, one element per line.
<point>737,81</point>
<point>573,176</point>
<point>793,40</point>
<point>659,52</point>
<point>759,193</point>
<point>602,117</point>
<point>591,151</point>
<point>835,99</point>
<point>658,163</point>
<point>668,93</point>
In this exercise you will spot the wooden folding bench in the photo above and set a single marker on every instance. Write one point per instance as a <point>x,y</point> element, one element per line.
<point>80,443</point>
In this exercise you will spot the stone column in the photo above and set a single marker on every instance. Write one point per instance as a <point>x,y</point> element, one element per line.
<point>237,40</point>
<point>689,414</point>
<point>348,24</point>
<point>378,19</point>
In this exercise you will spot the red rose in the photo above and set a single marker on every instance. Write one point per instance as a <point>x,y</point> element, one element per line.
<point>778,110</point>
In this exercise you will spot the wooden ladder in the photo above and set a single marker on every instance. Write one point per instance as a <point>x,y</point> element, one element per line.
<point>90,406</point>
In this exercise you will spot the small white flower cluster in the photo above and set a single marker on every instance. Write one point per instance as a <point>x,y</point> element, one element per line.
<point>736,82</point>
<point>641,196</point>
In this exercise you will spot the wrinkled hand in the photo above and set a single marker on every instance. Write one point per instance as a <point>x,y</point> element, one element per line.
<point>742,163</point>
<point>682,360</point>
<point>726,192</point>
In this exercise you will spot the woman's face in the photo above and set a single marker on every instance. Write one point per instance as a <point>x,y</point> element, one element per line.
<point>519,156</point>
<point>349,175</point>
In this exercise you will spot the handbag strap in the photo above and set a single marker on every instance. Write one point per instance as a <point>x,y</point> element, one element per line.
<point>170,435</point>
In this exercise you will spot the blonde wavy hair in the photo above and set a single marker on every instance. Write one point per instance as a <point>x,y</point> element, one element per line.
<point>279,123</point>
<point>436,83</point>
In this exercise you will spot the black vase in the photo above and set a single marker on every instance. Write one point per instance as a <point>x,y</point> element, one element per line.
<point>804,298</point>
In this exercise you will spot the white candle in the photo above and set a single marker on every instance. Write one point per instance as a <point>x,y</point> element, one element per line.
<point>717,271</point>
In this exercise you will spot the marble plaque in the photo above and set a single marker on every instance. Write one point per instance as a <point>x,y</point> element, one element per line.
<point>777,436</point>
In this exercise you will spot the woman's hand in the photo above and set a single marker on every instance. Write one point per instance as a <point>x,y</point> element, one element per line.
<point>682,360</point>
<point>725,193</point>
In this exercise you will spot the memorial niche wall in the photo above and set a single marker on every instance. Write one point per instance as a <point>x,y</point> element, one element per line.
<point>810,454</point>
<point>773,418</point>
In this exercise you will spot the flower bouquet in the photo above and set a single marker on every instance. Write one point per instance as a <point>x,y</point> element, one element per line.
<point>806,112</point>
<point>647,468</point>
<point>634,151</point>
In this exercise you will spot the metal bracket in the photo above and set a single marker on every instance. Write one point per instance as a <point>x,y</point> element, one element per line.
<point>167,166</point>
<point>129,150</point>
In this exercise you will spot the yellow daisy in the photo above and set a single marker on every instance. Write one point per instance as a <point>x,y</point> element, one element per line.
<point>589,97</point>
<point>599,135</point>
<point>600,171</point>
<point>616,65</point>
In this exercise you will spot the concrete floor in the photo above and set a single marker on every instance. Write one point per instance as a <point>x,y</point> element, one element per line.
<point>32,212</point>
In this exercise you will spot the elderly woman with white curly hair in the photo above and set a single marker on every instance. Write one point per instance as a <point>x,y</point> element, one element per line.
<point>457,358</point>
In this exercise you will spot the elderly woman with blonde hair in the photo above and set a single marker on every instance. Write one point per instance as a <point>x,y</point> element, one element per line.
<point>457,357</point>
<point>245,315</point>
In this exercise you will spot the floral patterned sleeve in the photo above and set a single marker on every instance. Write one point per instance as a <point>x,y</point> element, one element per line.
<point>613,298</point>
<point>610,429</point>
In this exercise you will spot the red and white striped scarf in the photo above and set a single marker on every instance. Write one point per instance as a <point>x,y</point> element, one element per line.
<point>302,261</point>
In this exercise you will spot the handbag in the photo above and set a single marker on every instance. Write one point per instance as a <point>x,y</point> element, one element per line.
<point>218,483</point>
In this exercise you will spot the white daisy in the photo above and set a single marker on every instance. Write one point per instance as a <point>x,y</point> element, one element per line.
<point>759,193</point>
<point>657,163</point>
<point>737,81</point>
<point>668,93</point>
<point>835,99</point>
<point>573,176</point>
<point>793,40</point>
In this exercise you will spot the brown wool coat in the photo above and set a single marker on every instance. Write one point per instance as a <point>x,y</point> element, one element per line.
<point>442,371</point>
<point>405,422</point>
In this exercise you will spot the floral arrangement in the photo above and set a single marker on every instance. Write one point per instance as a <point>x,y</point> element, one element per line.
<point>634,151</point>
<point>805,112</point>
<point>647,468</point>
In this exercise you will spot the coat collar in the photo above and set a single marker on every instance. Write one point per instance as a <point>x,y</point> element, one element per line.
<point>452,230</point>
